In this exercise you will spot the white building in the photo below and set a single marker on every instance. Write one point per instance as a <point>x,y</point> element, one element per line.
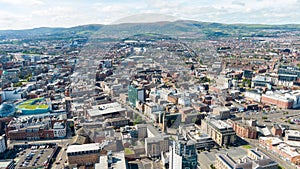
<point>185,101</point>
<point>175,160</point>
<point>13,94</point>
<point>292,135</point>
<point>114,160</point>
<point>59,130</point>
<point>294,95</point>
<point>164,93</point>
<point>151,107</point>
<point>104,111</point>
<point>2,144</point>
<point>253,95</point>
<point>254,159</point>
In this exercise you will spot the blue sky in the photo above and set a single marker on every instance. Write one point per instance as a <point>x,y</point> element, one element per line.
<point>21,14</point>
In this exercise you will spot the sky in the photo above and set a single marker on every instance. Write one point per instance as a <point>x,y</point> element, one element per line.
<point>24,14</point>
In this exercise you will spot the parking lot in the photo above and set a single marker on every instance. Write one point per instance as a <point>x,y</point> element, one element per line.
<point>206,158</point>
<point>35,156</point>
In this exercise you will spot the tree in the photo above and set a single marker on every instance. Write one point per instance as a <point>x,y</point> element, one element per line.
<point>137,120</point>
<point>18,84</point>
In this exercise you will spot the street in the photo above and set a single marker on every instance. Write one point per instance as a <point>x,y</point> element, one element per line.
<point>60,159</point>
<point>145,118</point>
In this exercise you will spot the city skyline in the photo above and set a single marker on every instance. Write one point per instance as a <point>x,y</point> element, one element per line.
<point>19,14</point>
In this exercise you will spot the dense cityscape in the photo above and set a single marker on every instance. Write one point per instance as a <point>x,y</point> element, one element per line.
<point>173,95</point>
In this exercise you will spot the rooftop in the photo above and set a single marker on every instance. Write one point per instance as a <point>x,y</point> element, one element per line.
<point>83,147</point>
<point>5,163</point>
<point>288,150</point>
<point>105,109</point>
<point>219,124</point>
<point>271,140</point>
<point>58,125</point>
<point>117,161</point>
<point>294,133</point>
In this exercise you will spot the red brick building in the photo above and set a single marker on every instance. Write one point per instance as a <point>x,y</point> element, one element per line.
<point>243,130</point>
<point>31,131</point>
<point>278,101</point>
<point>276,130</point>
<point>30,134</point>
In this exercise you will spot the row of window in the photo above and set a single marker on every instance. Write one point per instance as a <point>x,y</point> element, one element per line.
<point>83,152</point>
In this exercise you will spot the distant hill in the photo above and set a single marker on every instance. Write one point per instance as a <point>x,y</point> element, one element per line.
<point>46,31</point>
<point>169,28</point>
<point>185,28</point>
<point>179,28</point>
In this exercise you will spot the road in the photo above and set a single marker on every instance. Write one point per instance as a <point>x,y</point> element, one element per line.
<point>60,159</point>
<point>283,163</point>
<point>145,118</point>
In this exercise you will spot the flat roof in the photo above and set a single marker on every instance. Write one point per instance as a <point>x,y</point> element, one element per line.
<point>219,124</point>
<point>277,97</point>
<point>105,109</point>
<point>272,140</point>
<point>288,150</point>
<point>83,147</point>
<point>294,133</point>
<point>118,163</point>
<point>5,163</point>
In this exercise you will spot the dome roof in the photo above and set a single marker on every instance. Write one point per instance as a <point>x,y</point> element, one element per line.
<point>6,109</point>
<point>191,142</point>
<point>58,125</point>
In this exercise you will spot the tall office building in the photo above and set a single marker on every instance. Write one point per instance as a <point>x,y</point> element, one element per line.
<point>135,94</point>
<point>183,155</point>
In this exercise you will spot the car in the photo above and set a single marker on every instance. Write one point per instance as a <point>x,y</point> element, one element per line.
<point>60,159</point>
<point>28,158</point>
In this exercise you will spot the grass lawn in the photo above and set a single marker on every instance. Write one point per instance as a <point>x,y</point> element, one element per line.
<point>42,106</point>
<point>30,104</point>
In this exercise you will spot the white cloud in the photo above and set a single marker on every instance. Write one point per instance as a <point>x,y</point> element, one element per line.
<point>22,2</point>
<point>17,14</point>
